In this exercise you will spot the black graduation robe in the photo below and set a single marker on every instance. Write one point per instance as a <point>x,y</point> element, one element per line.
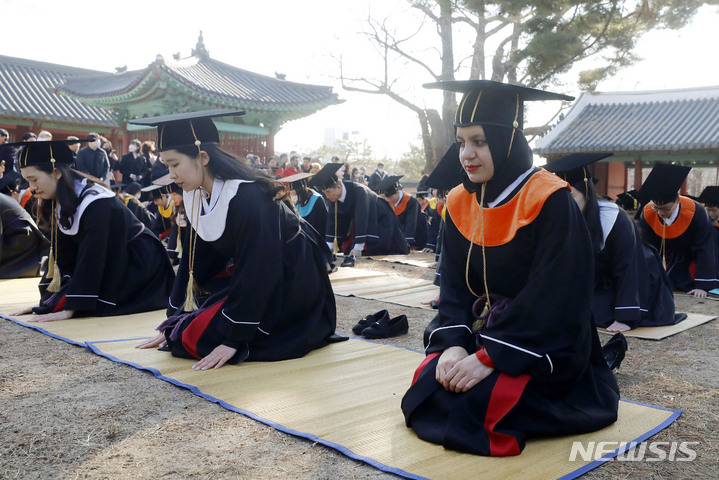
<point>434,219</point>
<point>263,274</point>
<point>110,263</point>
<point>138,209</point>
<point>550,376</point>
<point>689,244</point>
<point>315,212</point>
<point>364,217</point>
<point>412,221</point>
<point>22,245</point>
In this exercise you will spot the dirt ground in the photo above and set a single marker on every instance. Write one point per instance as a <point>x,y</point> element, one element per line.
<point>67,413</point>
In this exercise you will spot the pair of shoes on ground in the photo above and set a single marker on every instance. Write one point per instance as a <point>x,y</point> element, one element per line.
<point>349,261</point>
<point>380,325</point>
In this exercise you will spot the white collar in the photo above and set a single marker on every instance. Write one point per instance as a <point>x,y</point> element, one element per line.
<point>344,192</point>
<point>211,224</point>
<point>399,200</point>
<point>673,217</point>
<point>85,200</point>
<point>217,187</point>
<point>505,193</point>
<point>608,212</point>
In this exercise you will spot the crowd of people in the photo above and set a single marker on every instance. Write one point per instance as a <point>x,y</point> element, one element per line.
<point>530,260</point>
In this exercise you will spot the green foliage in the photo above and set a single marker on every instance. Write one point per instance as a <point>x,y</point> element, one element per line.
<point>411,163</point>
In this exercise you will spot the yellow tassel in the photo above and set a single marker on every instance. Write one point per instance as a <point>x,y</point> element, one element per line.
<point>50,265</point>
<point>190,303</point>
<point>55,284</point>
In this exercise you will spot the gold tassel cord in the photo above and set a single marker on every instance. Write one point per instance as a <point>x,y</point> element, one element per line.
<point>479,222</point>
<point>53,271</point>
<point>336,246</point>
<point>663,249</point>
<point>190,303</point>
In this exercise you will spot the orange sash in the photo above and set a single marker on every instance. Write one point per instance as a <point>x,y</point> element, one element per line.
<point>680,225</point>
<point>503,222</point>
<point>399,209</point>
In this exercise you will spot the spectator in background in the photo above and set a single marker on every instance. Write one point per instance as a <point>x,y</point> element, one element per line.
<point>7,153</point>
<point>306,164</point>
<point>29,137</point>
<point>130,162</point>
<point>376,177</point>
<point>44,136</point>
<point>315,167</point>
<point>293,168</point>
<point>357,176</point>
<point>114,161</point>
<point>92,159</point>
<point>74,148</point>
<point>147,160</point>
<point>275,169</point>
<point>283,160</point>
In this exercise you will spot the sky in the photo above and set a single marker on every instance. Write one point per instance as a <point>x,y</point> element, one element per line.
<point>304,40</point>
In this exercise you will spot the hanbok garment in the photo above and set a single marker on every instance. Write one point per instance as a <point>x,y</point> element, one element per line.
<point>687,244</point>
<point>550,377</point>
<point>412,221</point>
<point>22,245</point>
<point>262,276</point>
<point>364,219</point>
<point>110,263</point>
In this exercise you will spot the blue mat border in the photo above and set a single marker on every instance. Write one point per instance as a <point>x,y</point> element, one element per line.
<point>342,449</point>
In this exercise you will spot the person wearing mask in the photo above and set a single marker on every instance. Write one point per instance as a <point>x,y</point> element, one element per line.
<point>377,176</point>
<point>130,163</point>
<point>92,159</point>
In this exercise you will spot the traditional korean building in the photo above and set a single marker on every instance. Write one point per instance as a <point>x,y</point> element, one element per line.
<point>640,129</point>
<point>68,101</point>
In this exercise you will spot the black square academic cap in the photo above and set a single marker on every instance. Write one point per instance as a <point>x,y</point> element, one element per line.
<point>9,182</point>
<point>710,196</point>
<point>486,102</point>
<point>422,187</point>
<point>388,184</point>
<point>186,129</point>
<point>327,177</point>
<point>296,180</point>
<point>448,172</point>
<point>663,183</point>
<point>628,200</point>
<point>36,153</point>
<point>573,168</point>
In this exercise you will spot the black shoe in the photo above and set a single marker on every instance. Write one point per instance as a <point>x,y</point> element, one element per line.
<point>335,338</point>
<point>387,328</point>
<point>614,351</point>
<point>369,320</point>
<point>349,261</point>
<point>679,317</point>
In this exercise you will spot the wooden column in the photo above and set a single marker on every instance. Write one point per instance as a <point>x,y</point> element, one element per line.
<point>638,173</point>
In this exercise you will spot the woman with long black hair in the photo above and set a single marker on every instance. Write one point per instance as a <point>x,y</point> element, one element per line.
<point>631,288</point>
<point>102,261</point>
<point>513,352</point>
<point>253,282</point>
